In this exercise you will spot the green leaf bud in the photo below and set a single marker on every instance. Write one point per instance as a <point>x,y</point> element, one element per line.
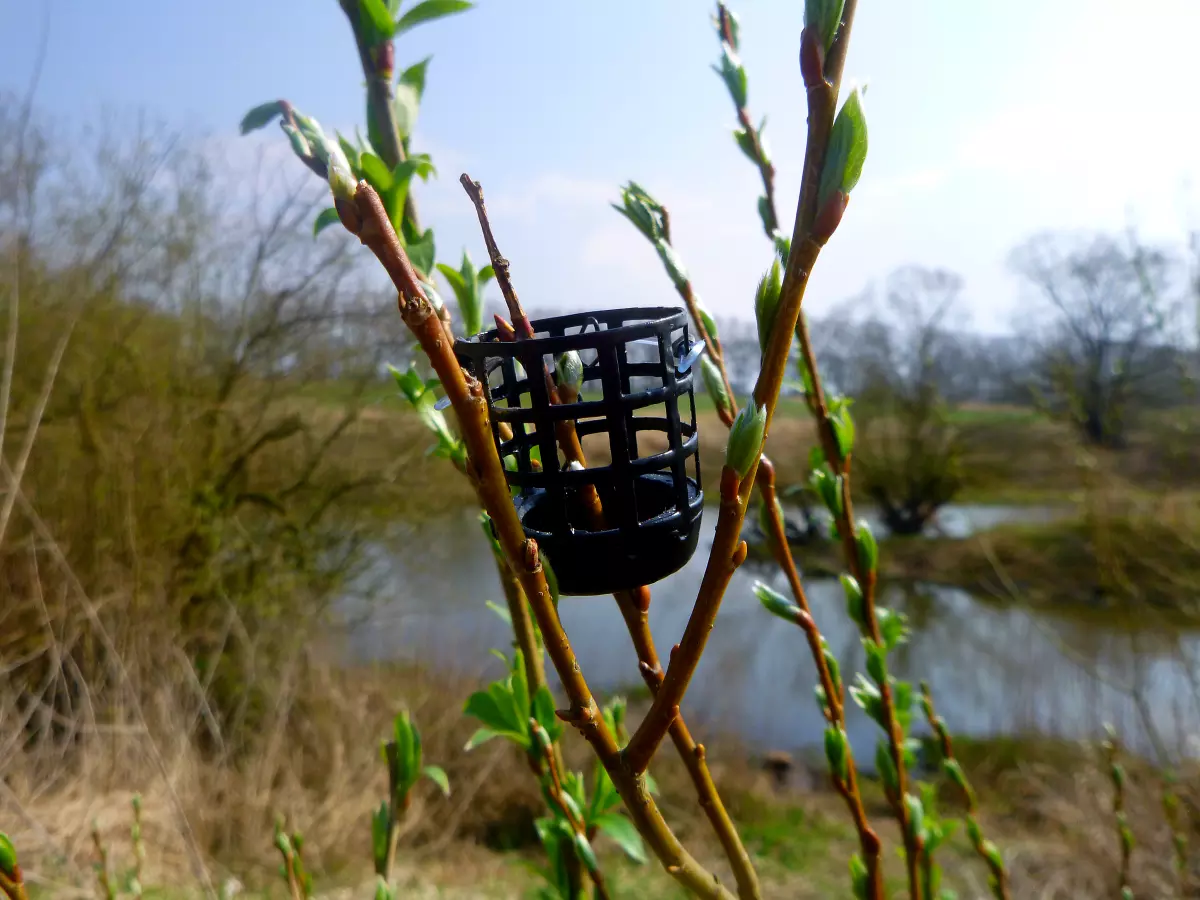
<point>868,549</point>
<point>847,150</point>
<point>766,302</point>
<point>823,17</point>
<point>568,369</point>
<point>775,603</point>
<point>714,383</point>
<point>836,752</point>
<point>746,439</point>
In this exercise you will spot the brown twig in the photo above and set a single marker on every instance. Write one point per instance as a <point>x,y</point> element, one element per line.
<point>727,550</point>
<point>635,608</point>
<point>366,218</point>
<point>12,883</point>
<point>499,263</point>
<point>987,851</point>
<point>13,888</point>
<point>564,429</point>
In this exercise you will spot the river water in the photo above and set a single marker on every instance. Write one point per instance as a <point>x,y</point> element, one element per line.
<point>995,667</point>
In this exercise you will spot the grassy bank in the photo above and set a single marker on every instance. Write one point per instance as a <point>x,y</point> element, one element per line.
<point>1044,802</point>
<point>1144,554</point>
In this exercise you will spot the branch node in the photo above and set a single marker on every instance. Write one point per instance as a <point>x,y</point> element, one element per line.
<point>530,556</point>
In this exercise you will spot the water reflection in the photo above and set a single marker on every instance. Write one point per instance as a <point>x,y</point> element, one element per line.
<point>994,668</point>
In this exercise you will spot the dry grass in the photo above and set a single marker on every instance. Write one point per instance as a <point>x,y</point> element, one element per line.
<point>1045,803</point>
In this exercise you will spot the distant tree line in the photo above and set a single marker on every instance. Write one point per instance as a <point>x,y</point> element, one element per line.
<point>1102,333</point>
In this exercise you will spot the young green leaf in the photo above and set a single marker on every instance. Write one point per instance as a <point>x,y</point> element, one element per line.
<point>406,104</point>
<point>868,549</point>
<point>261,116</point>
<point>584,848</point>
<point>376,173</point>
<point>876,661</point>
<point>437,775</point>
<point>847,150</point>
<point>299,142</point>
<point>414,76</point>
<point>421,252</point>
<point>714,383</point>
<point>342,182</point>
<point>501,611</point>
<point>859,877</point>
<point>377,20</point>
<point>428,11</point>
<point>568,369</point>
<point>498,716</point>
<point>829,488</point>
<point>733,73</point>
<point>745,143</point>
<point>623,833</point>
<point>520,688</point>
<point>783,246</point>
<point>916,817</point>
<point>855,603</point>
<point>676,270</point>
<point>353,153</point>
<point>746,439</point>
<point>379,835</point>
<point>481,736</point>
<point>886,766</point>
<point>831,663</point>
<point>868,698</point>
<point>843,431</point>
<point>543,711</point>
<point>775,603</point>
<point>893,627</point>
<point>706,319</point>
<point>837,751</point>
<point>823,17</point>
<point>8,856</point>
<point>766,302</point>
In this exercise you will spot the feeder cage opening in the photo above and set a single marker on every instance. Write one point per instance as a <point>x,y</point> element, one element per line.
<point>642,449</point>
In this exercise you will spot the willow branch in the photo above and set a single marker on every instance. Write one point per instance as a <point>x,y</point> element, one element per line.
<point>991,858</point>
<point>499,264</point>
<point>366,219</point>
<point>728,550</point>
<point>378,65</point>
<point>635,606</point>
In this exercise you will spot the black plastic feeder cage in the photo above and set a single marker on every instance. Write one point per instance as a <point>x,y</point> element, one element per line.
<point>639,363</point>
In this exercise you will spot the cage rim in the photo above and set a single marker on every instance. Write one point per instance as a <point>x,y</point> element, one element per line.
<point>650,321</point>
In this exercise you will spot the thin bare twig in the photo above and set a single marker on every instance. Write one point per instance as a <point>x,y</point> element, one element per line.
<point>31,428</point>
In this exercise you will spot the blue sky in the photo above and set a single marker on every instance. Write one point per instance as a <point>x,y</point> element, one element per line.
<point>988,121</point>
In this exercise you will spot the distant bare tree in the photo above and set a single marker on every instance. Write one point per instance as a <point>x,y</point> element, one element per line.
<point>910,452</point>
<point>1104,327</point>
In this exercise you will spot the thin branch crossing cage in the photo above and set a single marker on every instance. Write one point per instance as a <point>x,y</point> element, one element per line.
<point>641,447</point>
